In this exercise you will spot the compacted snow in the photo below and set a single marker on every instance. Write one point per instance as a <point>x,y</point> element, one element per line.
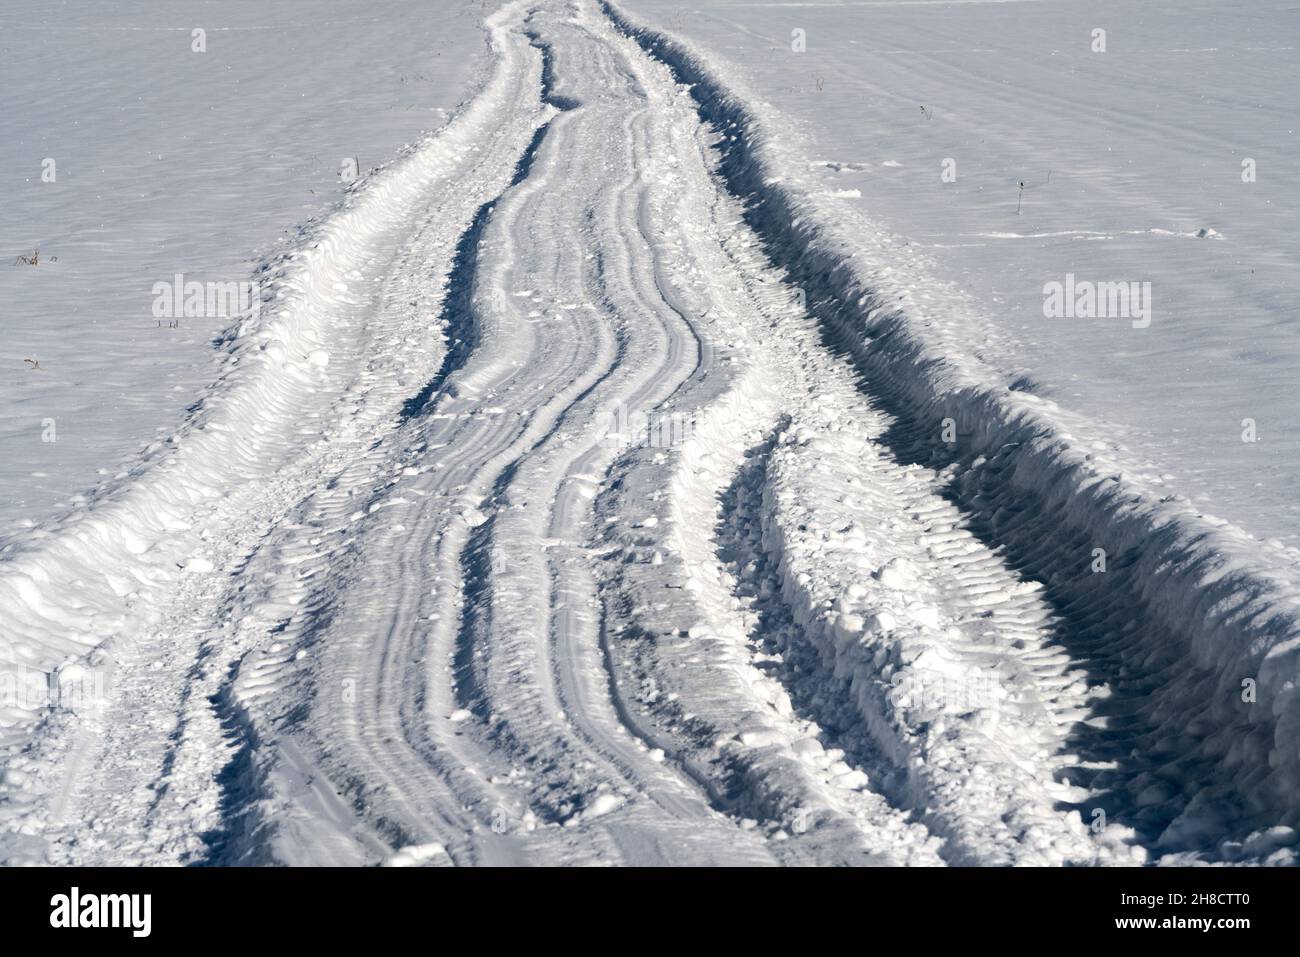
<point>631,472</point>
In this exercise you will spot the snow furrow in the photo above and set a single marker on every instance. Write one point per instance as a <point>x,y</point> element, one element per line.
<point>534,657</point>
<point>678,647</point>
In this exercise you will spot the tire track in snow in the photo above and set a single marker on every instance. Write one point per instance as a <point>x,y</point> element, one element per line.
<point>150,785</point>
<point>1015,818</point>
<point>550,342</point>
<point>1189,609</point>
<point>458,625</point>
<point>571,713</point>
<point>680,655</point>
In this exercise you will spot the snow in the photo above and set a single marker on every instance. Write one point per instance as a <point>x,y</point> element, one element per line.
<point>415,855</point>
<point>1143,146</point>
<point>899,572</point>
<point>209,173</point>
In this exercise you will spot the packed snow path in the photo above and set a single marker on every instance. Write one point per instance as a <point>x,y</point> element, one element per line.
<point>544,520</point>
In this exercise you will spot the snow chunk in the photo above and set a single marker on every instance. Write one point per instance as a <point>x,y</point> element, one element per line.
<point>604,804</point>
<point>413,855</point>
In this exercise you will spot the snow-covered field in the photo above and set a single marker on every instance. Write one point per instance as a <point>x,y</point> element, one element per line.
<point>670,460</point>
<point>128,157</point>
<point>1126,156</point>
